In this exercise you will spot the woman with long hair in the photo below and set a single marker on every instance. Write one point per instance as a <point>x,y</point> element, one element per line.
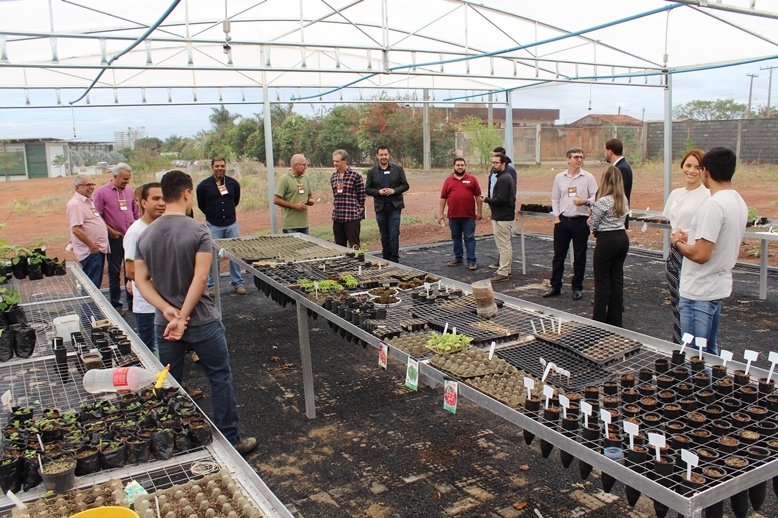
<point>680,208</point>
<point>607,225</point>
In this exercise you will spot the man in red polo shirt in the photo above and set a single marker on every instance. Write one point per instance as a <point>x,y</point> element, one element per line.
<point>461,193</point>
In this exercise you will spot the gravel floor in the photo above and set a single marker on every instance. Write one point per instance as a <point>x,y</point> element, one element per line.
<point>378,449</point>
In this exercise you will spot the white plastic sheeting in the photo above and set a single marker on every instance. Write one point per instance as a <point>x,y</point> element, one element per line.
<point>52,50</point>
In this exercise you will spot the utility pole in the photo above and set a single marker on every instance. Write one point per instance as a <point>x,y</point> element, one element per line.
<point>750,91</point>
<point>769,88</point>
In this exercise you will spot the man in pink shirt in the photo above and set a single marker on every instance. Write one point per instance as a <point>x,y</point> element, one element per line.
<point>116,204</point>
<point>88,232</point>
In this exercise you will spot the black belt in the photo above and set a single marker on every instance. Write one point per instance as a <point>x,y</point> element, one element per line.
<point>566,218</point>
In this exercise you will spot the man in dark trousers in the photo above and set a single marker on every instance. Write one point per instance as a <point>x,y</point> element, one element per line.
<point>614,155</point>
<point>171,270</point>
<point>218,197</point>
<point>386,183</point>
<point>502,202</point>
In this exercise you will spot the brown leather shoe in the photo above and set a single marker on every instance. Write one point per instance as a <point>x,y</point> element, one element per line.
<point>499,278</point>
<point>194,393</point>
<point>472,266</point>
<point>454,263</point>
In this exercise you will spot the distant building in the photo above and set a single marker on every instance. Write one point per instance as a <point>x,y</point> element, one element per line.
<point>604,120</point>
<point>126,139</point>
<point>521,116</point>
<point>21,159</point>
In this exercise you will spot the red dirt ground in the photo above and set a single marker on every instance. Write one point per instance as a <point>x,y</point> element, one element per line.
<point>28,220</point>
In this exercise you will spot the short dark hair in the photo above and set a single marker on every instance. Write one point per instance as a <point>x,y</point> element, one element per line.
<point>499,149</point>
<point>503,159</point>
<point>146,187</point>
<point>615,145</point>
<point>379,148</point>
<point>173,184</point>
<point>216,159</point>
<point>459,159</point>
<point>720,163</point>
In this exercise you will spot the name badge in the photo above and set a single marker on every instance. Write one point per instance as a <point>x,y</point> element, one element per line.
<point>122,204</point>
<point>572,192</point>
<point>94,211</point>
<point>340,190</point>
<point>387,172</point>
<point>222,189</point>
<point>465,181</point>
<point>300,188</point>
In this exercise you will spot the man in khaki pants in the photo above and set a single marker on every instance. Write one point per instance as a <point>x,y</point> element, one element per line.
<point>502,202</point>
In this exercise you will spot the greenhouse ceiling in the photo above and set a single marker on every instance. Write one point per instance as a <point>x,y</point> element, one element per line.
<point>92,52</point>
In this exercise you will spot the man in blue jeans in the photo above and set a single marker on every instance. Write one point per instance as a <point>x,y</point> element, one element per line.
<point>88,231</point>
<point>218,197</point>
<point>710,249</point>
<point>176,252</point>
<point>462,194</point>
<point>386,183</point>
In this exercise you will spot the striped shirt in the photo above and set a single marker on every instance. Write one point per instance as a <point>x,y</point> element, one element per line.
<point>603,219</point>
<point>348,195</point>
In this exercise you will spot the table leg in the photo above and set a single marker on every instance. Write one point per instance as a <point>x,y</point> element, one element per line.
<point>523,249</point>
<point>763,270</point>
<point>305,354</point>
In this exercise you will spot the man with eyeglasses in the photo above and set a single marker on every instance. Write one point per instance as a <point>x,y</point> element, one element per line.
<point>88,231</point>
<point>572,195</point>
<point>294,196</point>
<point>502,203</point>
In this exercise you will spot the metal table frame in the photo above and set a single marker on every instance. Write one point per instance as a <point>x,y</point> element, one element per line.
<point>763,237</point>
<point>690,507</point>
<point>220,449</point>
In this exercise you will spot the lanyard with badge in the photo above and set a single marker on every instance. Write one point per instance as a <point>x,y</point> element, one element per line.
<point>122,202</point>
<point>222,188</point>
<point>340,180</point>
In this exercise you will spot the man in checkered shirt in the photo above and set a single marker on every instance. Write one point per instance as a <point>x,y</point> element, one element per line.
<point>348,201</point>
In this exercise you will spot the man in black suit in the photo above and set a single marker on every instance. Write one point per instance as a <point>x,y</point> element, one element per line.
<point>386,183</point>
<point>614,151</point>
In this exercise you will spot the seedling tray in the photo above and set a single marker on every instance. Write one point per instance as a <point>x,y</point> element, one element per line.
<point>594,344</point>
<point>276,248</point>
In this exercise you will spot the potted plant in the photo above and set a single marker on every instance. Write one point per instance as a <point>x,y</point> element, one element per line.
<point>59,475</point>
<point>35,266</point>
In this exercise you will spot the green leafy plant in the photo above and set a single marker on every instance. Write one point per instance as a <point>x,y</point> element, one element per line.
<point>350,281</point>
<point>447,343</point>
<point>8,298</point>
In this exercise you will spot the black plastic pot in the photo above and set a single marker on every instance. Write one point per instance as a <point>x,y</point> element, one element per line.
<point>116,458</point>
<point>570,428</point>
<point>716,510</point>
<point>24,340</point>
<point>739,504</point>
<point>35,271</point>
<point>138,451</point>
<point>679,358</point>
<point>10,470</point>
<point>88,461</point>
<point>532,404</point>
<point>162,443</point>
<point>551,415</point>
<point>6,344</point>
<point>60,483</point>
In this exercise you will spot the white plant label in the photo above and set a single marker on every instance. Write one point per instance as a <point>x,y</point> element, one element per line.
<point>726,356</point>
<point>542,362</point>
<point>529,384</point>
<point>691,461</point>
<point>549,366</point>
<point>606,418</point>
<point>701,343</point>
<point>773,357</point>
<point>750,356</point>
<point>6,398</point>
<point>491,350</point>
<point>359,271</point>
<point>657,440</point>
<point>632,429</point>
<point>686,339</point>
<point>15,499</point>
<point>542,325</point>
<point>564,402</point>
<point>454,330</point>
<point>548,392</point>
<point>383,354</point>
<point>586,408</point>
<point>559,329</point>
<point>445,328</point>
<point>534,329</point>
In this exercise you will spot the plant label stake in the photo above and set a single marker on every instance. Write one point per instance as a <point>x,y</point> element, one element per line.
<point>686,339</point>
<point>491,349</point>
<point>632,430</point>
<point>586,408</point>
<point>701,344</point>
<point>657,440</point>
<point>40,441</point>
<point>529,384</point>
<point>445,328</point>
<point>548,392</point>
<point>438,285</point>
<point>606,419</point>
<point>412,374</point>
<point>691,461</point>
<point>726,356</point>
<point>359,270</point>
<point>564,402</point>
<point>750,356</point>
<point>534,329</point>
<point>773,357</point>
<point>559,332</point>
<point>91,317</point>
<point>549,366</point>
<point>450,395</point>
<point>7,397</point>
<point>15,499</point>
<point>316,288</point>
<point>542,325</point>
<point>427,287</point>
<point>383,350</point>
<point>454,330</point>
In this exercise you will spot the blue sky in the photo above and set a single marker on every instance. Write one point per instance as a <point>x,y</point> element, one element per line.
<point>572,101</point>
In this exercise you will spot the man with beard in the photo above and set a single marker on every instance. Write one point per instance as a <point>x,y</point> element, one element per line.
<point>386,183</point>
<point>461,193</point>
<point>502,203</point>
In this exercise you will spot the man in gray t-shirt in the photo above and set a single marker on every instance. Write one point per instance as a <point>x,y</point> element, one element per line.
<point>171,271</point>
<point>710,249</point>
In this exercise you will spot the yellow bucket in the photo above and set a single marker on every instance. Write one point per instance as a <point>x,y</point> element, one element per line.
<point>107,512</point>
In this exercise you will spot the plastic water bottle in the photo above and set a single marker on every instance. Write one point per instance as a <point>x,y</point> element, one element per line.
<point>120,379</point>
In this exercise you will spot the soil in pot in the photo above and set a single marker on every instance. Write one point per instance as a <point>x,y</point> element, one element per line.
<point>138,450</point>
<point>87,461</point>
<point>688,404</point>
<point>113,455</point>
<point>31,476</point>
<point>59,475</point>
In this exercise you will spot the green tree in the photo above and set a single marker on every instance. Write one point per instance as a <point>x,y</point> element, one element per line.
<point>221,117</point>
<point>59,161</point>
<point>152,144</point>
<point>481,139</point>
<point>720,109</point>
<point>339,131</point>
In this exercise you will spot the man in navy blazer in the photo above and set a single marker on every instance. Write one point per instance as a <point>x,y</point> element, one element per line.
<point>386,183</point>
<point>614,151</point>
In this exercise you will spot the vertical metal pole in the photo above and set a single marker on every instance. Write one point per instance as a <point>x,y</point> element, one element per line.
<point>425,115</point>
<point>508,143</point>
<point>538,132</point>
<point>305,356</point>
<point>763,271</point>
<point>490,112</point>
<point>523,249</point>
<point>668,146</point>
<point>215,274</point>
<point>271,178</point>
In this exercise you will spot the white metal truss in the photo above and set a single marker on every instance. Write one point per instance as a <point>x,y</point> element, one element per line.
<point>311,50</point>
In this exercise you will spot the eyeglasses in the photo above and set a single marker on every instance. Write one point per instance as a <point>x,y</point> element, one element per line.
<point>87,185</point>
<point>577,157</point>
